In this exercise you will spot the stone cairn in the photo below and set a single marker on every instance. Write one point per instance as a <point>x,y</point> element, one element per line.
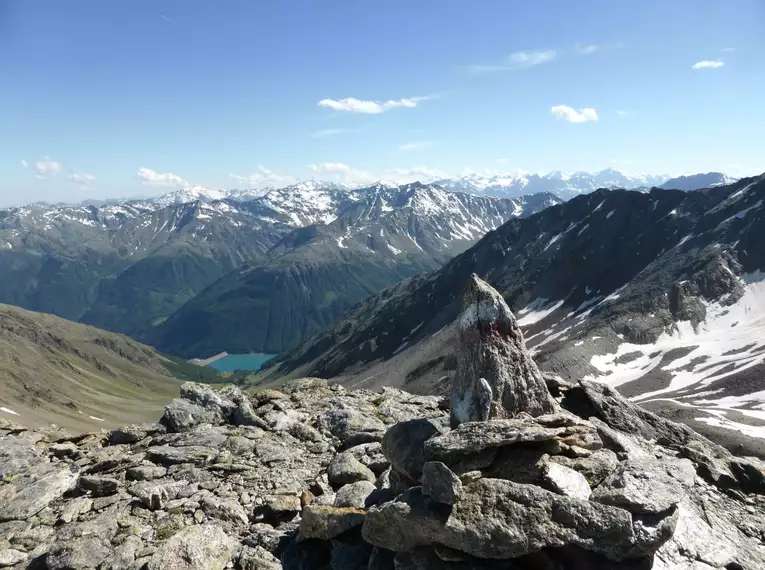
<point>520,471</point>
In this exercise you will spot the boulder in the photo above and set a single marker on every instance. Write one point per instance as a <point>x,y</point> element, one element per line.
<point>354,494</point>
<point>80,554</point>
<point>496,376</point>
<point>98,485</point>
<point>403,445</point>
<point>440,483</point>
<point>258,558</point>
<point>594,467</point>
<point>326,523</point>
<point>11,557</point>
<point>133,433</point>
<point>474,437</point>
<point>194,548</point>
<point>28,494</point>
<point>169,455</point>
<point>227,510</point>
<point>345,468</point>
<point>646,486</point>
<point>498,519</point>
<point>565,481</point>
<point>352,427</point>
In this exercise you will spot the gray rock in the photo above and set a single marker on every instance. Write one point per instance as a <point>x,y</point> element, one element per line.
<point>194,548</point>
<point>646,486</point>
<point>29,494</point>
<point>167,455</point>
<point>440,483</point>
<point>16,457</point>
<point>474,437</point>
<point>244,415</point>
<point>133,433</point>
<point>98,485</point>
<point>81,554</point>
<point>66,449</point>
<point>227,510</point>
<point>326,523</point>
<point>156,495</point>
<point>145,473</point>
<point>76,506</point>
<point>123,557</point>
<point>10,557</point>
<point>403,445</point>
<point>352,427</point>
<point>500,519</point>
<point>278,508</point>
<point>181,415</point>
<point>518,464</point>
<point>271,451</point>
<point>495,377</point>
<point>258,558</point>
<point>595,467</point>
<point>345,468</point>
<point>371,455</point>
<point>565,481</point>
<point>354,494</point>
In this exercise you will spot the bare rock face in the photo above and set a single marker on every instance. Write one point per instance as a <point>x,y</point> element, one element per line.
<point>496,377</point>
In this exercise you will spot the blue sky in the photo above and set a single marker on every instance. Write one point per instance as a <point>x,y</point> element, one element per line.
<point>103,98</point>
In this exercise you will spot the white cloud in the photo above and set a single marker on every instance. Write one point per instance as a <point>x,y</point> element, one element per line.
<point>342,172</point>
<point>501,161</point>
<point>589,49</point>
<point>328,133</point>
<point>262,177</point>
<point>82,178</point>
<point>622,113</point>
<point>416,145</point>
<point>154,178</point>
<point>352,105</point>
<point>24,164</point>
<point>729,49</point>
<point>517,60</point>
<point>47,168</point>
<point>421,173</point>
<point>574,116</point>
<point>708,64</point>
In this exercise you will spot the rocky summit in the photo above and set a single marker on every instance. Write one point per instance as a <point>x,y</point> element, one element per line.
<point>318,477</point>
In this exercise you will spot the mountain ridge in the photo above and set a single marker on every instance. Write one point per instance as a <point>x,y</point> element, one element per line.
<point>620,259</point>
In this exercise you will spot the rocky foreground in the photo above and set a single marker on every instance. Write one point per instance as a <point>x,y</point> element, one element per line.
<point>319,477</point>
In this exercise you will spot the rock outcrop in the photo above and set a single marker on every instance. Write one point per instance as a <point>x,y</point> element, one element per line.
<point>496,377</point>
<point>316,477</point>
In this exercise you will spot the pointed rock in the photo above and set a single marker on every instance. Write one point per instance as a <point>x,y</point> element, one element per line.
<point>496,376</point>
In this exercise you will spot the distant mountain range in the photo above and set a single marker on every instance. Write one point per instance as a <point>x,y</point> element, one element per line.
<point>317,272</point>
<point>563,185</point>
<point>127,267</point>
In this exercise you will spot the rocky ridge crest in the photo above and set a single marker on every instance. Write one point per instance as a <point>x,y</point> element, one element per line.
<point>319,477</point>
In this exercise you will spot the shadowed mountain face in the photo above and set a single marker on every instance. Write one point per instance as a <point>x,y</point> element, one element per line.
<point>627,287</point>
<point>314,274</point>
<point>128,266</point>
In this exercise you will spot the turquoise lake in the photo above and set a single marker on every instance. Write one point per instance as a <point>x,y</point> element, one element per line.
<point>241,362</point>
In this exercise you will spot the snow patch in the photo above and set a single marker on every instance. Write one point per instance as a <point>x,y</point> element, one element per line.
<point>536,311</point>
<point>8,411</point>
